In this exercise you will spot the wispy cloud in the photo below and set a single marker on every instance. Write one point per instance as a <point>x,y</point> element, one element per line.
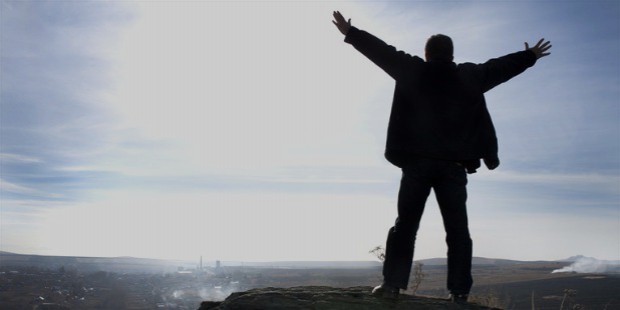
<point>16,158</point>
<point>53,72</point>
<point>18,189</point>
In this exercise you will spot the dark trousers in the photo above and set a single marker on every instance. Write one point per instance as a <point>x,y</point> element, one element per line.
<point>448,180</point>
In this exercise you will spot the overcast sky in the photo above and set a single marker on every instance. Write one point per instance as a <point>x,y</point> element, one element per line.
<point>250,131</point>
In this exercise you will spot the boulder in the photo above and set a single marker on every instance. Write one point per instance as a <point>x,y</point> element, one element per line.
<point>326,298</point>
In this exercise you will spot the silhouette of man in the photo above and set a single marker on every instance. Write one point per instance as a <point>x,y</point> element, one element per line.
<point>439,130</point>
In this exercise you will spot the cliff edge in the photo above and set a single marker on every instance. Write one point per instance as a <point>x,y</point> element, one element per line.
<point>326,298</point>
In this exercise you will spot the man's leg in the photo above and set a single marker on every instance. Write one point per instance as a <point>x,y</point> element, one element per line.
<point>414,189</point>
<point>451,196</point>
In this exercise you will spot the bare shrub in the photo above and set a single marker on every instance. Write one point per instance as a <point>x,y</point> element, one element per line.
<point>418,276</point>
<point>379,252</point>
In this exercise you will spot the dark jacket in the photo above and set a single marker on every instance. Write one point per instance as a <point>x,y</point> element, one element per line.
<point>438,109</point>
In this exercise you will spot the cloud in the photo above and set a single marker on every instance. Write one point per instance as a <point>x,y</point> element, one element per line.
<point>15,158</point>
<point>186,111</point>
<point>53,73</point>
<point>14,188</point>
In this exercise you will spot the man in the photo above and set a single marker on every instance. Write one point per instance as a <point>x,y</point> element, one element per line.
<point>439,130</point>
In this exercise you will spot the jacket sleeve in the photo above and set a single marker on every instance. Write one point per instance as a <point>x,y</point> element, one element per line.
<point>499,70</point>
<point>385,56</point>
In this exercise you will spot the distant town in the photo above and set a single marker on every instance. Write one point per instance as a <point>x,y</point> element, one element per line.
<point>67,287</point>
<point>57,282</point>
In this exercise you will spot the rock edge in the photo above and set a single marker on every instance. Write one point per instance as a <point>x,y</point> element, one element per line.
<point>326,298</point>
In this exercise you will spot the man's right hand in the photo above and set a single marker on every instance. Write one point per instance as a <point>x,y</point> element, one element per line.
<point>341,23</point>
<point>540,49</point>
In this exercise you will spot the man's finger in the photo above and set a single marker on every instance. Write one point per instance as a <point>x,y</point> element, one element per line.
<point>541,41</point>
<point>527,47</point>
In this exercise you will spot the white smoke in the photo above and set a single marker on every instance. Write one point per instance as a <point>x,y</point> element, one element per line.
<point>215,294</point>
<point>586,265</point>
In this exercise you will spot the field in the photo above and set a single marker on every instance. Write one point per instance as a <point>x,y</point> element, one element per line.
<point>517,286</point>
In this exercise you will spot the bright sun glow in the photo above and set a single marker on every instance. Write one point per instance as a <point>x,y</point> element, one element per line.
<point>237,85</point>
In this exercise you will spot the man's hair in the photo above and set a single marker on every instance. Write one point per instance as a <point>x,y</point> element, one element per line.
<point>439,47</point>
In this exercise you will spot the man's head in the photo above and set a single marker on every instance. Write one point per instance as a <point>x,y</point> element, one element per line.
<point>439,48</point>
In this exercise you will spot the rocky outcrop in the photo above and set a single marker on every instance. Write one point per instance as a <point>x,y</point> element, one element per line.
<point>326,298</point>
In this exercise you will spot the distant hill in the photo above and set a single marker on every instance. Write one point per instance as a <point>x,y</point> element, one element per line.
<point>308,264</point>
<point>578,258</point>
<point>89,264</point>
<point>370,264</point>
<point>133,264</point>
<point>475,261</point>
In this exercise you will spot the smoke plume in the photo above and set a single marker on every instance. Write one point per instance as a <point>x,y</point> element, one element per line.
<point>587,265</point>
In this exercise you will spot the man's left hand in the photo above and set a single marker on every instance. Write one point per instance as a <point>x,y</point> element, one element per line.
<point>540,49</point>
<point>341,23</point>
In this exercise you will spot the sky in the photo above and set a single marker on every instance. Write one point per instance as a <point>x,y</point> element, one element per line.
<point>249,131</point>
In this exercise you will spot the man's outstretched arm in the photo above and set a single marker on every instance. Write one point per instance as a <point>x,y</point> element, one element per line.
<point>502,69</point>
<point>385,56</point>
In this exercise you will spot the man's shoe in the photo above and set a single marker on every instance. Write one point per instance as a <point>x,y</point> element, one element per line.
<point>458,298</point>
<point>386,291</point>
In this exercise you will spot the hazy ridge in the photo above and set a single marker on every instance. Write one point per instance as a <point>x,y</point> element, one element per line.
<point>134,264</point>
